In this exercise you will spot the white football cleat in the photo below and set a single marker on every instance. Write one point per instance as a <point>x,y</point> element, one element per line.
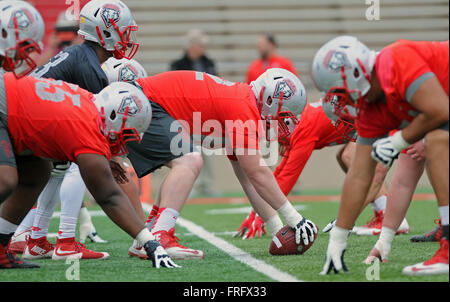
<point>87,231</point>
<point>438,265</point>
<point>135,249</point>
<point>403,228</point>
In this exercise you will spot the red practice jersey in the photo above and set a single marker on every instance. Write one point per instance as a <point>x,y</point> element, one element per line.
<point>52,119</point>
<point>207,104</point>
<point>258,67</point>
<point>401,68</point>
<point>314,131</point>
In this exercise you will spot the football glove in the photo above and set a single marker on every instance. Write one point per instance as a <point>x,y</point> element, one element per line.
<point>329,226</point>
<point>257,226</point>
<point>305,230</point>
<point>246,224</point>
<point>335,252</point>
<point>386,150</point>
<point>158,255</point>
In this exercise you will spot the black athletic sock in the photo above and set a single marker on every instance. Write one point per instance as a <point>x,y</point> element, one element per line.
<point>4,239</point>
<point>445,232</point>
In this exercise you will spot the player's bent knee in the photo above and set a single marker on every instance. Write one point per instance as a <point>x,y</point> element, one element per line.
<point>436,140</point>
<point>8,181</point>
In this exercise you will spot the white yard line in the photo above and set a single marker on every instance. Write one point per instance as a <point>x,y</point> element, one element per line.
<point>237,253</point>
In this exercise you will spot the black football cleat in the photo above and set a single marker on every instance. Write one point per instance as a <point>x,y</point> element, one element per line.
<point>10,260</point>
<point>433,236</point>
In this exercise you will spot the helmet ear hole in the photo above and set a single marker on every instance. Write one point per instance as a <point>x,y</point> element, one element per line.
<point>269,101</point>
<point>113,115</point>
<point>356,73</point>
<point>4,33</point>
<point>107,34</point>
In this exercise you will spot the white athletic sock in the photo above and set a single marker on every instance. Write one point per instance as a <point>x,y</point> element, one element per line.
<point>85,218</point>
<point>27,222</point>
<point>290,214</point>
<point>443,211</point>
<point>379,204</point>
<point>72,194</point>
<point>166,220</point>
<point>7,227</point>
<point>47,201</point>
<point>274,224</point>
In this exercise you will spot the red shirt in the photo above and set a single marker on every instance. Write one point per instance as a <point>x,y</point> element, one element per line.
<point>52,119</point>
<point>401,68</point>
<point>314,131</point>
<point>258,67</point>
<point>209,106</point>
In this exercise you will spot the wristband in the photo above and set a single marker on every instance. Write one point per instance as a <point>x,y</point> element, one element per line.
<point>398,142</point>
<point>144,236</point>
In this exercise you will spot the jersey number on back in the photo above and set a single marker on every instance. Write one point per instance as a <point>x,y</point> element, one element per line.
<point>199,77</point>
<point>59,95</point>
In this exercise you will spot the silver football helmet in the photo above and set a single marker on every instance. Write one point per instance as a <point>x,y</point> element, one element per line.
<point>344,125</point>
<point>342,69</point>
<point>110,24</point>
<point>22,31</point>
<point>280,97</point>
<point>126,114</point>
<point>123,70</point>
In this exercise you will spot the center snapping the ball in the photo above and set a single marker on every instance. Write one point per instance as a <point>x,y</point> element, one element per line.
<point>283,243</point>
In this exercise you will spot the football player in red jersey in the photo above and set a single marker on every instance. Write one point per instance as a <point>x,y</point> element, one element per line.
<point>216,113</point>
<point>44,119</point>
<point>318,127</point>
<point>405,87</point>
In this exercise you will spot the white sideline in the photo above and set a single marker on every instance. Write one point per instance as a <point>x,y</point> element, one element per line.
<point>237,253</point>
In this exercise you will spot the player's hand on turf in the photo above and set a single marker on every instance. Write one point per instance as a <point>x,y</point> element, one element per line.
<point>305,230</point>
<point>158,255</point>
<point>381,250</point>
<point>256,227</point>
<point>246,225</point>
<point>118,172</point>
<point>335,256</point>
<point>384,152</point>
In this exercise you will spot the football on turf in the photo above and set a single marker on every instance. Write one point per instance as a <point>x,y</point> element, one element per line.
<point>283,243</point>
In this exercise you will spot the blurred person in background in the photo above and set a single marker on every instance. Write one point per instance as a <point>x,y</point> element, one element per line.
<point>195,58</point>
<point>65,35</point>
<point>269,58</point>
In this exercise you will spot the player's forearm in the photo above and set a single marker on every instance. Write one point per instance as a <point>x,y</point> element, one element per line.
<point>266,186</point>
<point>118,208</point>
<point>423,124</point>
<point>356,186</point>
<point>258,203</point>
<point>377,187</point>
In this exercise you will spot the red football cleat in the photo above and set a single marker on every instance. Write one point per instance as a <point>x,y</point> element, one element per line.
<point>175,250</point>
<point>68,248</point>
<point>19,243</point>
<point>38,249</point>
<point>438,265</point>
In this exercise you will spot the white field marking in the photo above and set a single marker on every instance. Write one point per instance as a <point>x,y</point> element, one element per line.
<point>237,253</point>
<point>244,210</point>
<point>93,213</point>
<point>233,251</point>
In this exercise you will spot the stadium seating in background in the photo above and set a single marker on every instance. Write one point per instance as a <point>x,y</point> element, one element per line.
<point>301,27</point>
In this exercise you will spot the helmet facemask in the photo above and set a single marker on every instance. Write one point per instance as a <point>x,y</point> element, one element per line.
<point>117,139</point>
<point>342,96</point>
<point>125,47</point>
<point>17,59</point>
